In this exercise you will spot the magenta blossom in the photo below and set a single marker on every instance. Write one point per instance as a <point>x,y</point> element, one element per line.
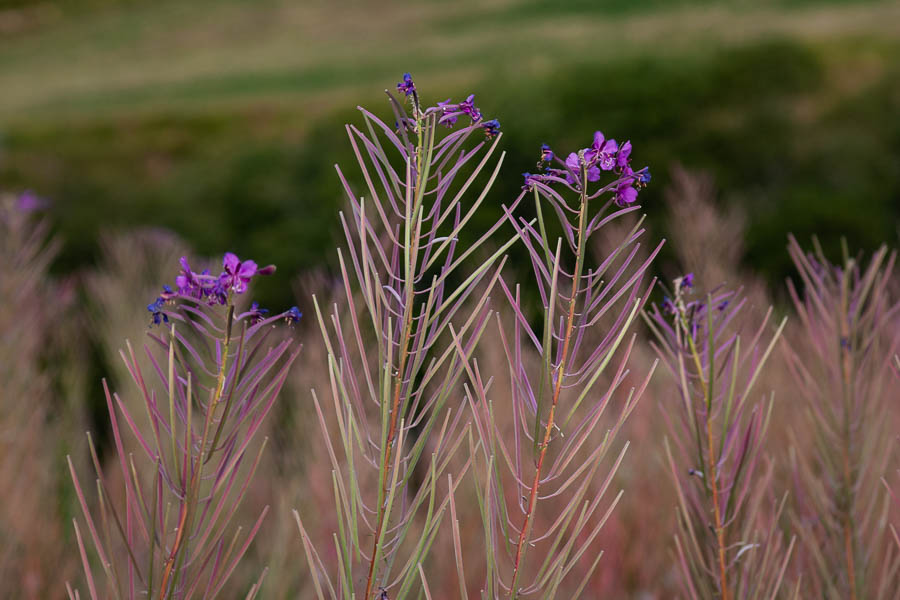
<point>238,273</point>
<point>603,151</point>
<point>624,155</point>
<point>468,107</point>
<point>574,162</point>
<point>190,283</point>
<point>449,112</point>
<point>625,194</point>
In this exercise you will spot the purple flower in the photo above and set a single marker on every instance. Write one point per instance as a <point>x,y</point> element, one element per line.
<point>575,162</point>
<point>256,314</point>
<point>668,306</point>
<point>603,151</point>
<point>624,155</point>
<point>468,107</point>
<point>293,315</point>
<point>644,177</point>
<point>625,194</point>
<point>237,273</point>
<point>449,111</point>
<point>29,202</point>
<point>156,310</point>
<point>546,153</point>
<point>688,281</point>
<point>406,86</point>
<point>167,293</point>
<point>188,282</point>
<point>491,128</point>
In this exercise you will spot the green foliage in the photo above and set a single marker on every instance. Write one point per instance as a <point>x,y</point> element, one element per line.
<point>790,130</point>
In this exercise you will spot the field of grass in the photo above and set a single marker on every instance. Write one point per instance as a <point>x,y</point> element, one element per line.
<point>221,120</point>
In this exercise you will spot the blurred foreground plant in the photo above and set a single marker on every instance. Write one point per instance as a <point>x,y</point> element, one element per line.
<point>842,363</point>
<point>727,543</point>
<point>38,360</point>
<point>216,374</point>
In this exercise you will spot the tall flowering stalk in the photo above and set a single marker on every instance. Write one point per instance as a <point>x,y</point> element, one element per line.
<point>392,371</point>
<point>543,442</point>
<point>216,374</point>
<point>842,363</point>
<point>727,542</point>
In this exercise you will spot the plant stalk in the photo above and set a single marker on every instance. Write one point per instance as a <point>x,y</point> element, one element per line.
<point>557,387</point>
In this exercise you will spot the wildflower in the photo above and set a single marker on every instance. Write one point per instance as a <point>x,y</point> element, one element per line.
<point>546,153</point>
<point>449,112</point>
<point>256,314</point>
<point>188,282</point>
<point>603,151</point>
<point>217,291</point>
<point>468,107</point>
<point>687,281</point>
<point>622,158</point>
<point>530,180</point>
<point>156,310</point>
<point>29,202</point>
<point>167,293</point>
<point>627,190</point>
<point>491,128</point>
<point>625,193</point>
<point>238,273</point>
<point>407,86</point>
<point>668,306</point>
<point>575,161</point>
<point>293,315</point>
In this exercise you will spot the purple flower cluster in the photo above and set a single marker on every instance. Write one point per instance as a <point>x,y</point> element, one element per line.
<point>603,155</point>
<point>449,112</point>
<point>211,289</point>
<point>215,289</point>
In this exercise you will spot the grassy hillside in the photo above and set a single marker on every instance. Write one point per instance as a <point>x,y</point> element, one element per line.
<point>222,120</point>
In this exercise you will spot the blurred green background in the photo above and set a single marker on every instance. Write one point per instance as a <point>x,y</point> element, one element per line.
<point>222,120</point>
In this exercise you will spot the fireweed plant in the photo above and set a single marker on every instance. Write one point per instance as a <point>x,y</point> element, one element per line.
<point>727,543</point>
<point>551,450</point>
<point>396,458</point>
<point>851,332</point>
<point>216,373</point>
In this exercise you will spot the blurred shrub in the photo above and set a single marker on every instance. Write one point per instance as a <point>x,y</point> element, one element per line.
<point>790,130</point>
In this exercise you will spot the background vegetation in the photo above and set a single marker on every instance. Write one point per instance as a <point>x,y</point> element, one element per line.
<point>221,120</point>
